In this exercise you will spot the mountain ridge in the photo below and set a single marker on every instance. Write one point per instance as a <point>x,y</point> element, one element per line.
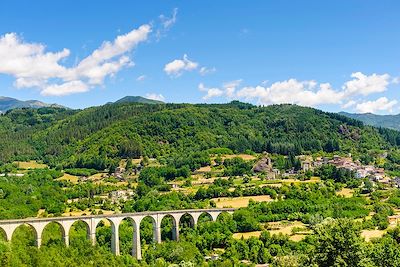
<point>386,121</point>
<point>9,103</point>
<point>137,99</point>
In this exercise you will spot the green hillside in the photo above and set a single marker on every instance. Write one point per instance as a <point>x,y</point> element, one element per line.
<point>97,137</point>
<point>387,121</point>
<point>137,99</point>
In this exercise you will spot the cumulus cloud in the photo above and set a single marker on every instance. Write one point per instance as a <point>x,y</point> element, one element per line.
<point>380,104</point>
<point>230,87</point>
<point>141,78</point>
<point>311,93</point>
<point>33,66</point>
<point>211,92</point>
<point>66,88</point>
<point>155,96</point>
<point>292,91</point>
<point>349,104</point>
<point>365,85</point>
<point>176,67</point>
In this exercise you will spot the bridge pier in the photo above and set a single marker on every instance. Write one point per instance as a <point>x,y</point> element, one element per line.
<point>175,232</point>
<point>66,240</point>
<point>137,247</point>
<point>115,240</point>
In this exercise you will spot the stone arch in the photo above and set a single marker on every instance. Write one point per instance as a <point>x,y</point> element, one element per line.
<point>127,230</point>
<point>104,229</point>
<point>149,230</point>
<point>187,221</point>
<point>188,218</point>
<point>28,239</point>
<point>3,234</point>
<point>223,214</point>
<point>49,240</point>
<point>205,217</point>
<point>169,227</point>
<point>79,229</point>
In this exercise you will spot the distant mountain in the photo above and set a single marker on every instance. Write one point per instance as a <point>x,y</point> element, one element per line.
<point>7,103</point>
<point>387,121</point>
<point>138,99</point>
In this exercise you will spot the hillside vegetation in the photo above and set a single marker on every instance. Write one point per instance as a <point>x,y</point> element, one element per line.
<point>98,137</point>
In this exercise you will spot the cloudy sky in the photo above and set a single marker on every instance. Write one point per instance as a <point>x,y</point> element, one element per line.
<point>336,55</point>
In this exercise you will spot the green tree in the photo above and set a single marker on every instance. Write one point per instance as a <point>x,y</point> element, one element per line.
<point>338,243</point>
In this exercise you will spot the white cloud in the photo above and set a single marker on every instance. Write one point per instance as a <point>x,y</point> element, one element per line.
<point>204,70</point>
<point>366,85</point>
<point>211,92</point>
<point>32,66</point>
<point>349,104</point>
<point>168,22</point>
<point>380,104</point>
<point>311,93</point>
<point>154,96</point>
<point>292,91</point>
<point>176,67</point>
<point>66,88</point>
<point>230,87</point>
<point>141,78</point>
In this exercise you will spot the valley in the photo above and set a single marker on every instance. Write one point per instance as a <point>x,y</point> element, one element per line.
<point>283,181</point>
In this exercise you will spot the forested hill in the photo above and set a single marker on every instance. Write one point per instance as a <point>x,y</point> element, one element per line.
<point>8,103</point>
<point>98,137</point>
<point>137,99</point>
<point>387,121</point>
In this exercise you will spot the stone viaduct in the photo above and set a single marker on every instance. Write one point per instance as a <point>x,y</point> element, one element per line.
<point>38,224</point>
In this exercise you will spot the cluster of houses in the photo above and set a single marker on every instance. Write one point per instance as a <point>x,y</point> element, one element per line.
<point>308,163</point>
<point>361,171</point>
<point>120,195</point>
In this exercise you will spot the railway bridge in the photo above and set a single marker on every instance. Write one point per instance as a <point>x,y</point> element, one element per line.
<point>91,222</point>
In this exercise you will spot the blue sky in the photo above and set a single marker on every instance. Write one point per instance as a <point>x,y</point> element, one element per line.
<point>336,55</point>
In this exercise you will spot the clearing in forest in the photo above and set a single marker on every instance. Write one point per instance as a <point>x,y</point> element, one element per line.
<point>346,192</point>
<point>30,165</point>
<point>69,177</point>
<point>243,156</point>
<point>239,202</point>
<point>370,234</point>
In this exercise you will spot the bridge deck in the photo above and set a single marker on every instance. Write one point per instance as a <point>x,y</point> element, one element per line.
<point>116,215</point>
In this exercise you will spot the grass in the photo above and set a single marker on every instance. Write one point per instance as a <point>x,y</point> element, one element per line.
<point>346,192</point>
<point>30,165</point>
<point>87,212</point>
<point>204,169</point>
<point>247,235</point>
<point>370,234</point>
<point>243,156</point>
<point>68,177</point>
<point>239,202</point>
<point>312,180</point>
<point>282,227</point>
<point>97,176</point>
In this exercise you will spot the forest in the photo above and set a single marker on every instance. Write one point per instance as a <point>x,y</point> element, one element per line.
<point>97,137</point>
